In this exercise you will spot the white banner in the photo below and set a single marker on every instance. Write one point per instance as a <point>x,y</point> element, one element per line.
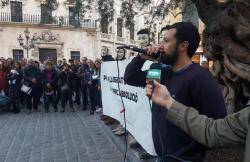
<point>138,114</point>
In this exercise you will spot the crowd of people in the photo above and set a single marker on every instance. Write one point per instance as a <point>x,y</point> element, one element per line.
<point>30,83</point>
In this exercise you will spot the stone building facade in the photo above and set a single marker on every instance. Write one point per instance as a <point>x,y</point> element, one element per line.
<point>54,33</point>
<point>58,38</point>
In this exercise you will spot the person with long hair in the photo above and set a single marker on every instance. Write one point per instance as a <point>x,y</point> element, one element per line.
<point>97,73</point>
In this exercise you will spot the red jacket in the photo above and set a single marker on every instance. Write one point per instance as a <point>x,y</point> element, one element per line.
<point>3,81</point>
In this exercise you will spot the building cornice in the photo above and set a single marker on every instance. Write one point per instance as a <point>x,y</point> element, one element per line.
<point>46,26</point>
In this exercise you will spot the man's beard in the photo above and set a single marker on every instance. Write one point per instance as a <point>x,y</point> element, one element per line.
<point>169,59</point>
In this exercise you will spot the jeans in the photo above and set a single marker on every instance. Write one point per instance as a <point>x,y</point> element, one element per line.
<point>16,103</point>
<point>77,96</point>
<point>85,101</point>
<point>50,99</point>
<point>67,96</point>
<point>59,95</point>
<point>93,98</point>
<point>33,98</point>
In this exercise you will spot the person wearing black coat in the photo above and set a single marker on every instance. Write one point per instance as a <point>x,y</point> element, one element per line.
<point>76,89</point>
<point>105,54</point>
<point>32,78</point>
<point>49,82</point>
<point>66,86</point>
<point>14,80</point>
<point>83,70</point>
<point>92,86</point>
<point>97,83</point>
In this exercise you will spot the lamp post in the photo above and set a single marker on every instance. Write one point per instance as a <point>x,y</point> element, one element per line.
<point>30,43</point>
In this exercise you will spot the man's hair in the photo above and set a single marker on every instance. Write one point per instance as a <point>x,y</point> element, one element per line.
<point>165,28</point>
<point>66,65</point>
<point>49,63</point>
<point>186,31</point>
<point>143,31</point>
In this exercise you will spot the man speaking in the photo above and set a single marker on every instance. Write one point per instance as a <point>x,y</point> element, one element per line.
<point>188,83</point>
<point>230,132</point>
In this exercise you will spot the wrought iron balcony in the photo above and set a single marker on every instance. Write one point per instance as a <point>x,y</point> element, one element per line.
<point>36,19</point>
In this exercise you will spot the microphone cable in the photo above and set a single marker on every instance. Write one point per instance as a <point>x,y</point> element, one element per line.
<point>124,112</point>
<point>157,128</point>
<point>125,124</point>
<point>173,157</point>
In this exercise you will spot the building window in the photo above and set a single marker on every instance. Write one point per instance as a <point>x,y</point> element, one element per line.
<point>46,14</point>
<point>75,55</point>
<point>104,25</point>
<point>119,27</point>
<point>196,58</point>
<point>132,32</point>
<point>16,11</point>
<point>73,16</point>
<point>17,55</point>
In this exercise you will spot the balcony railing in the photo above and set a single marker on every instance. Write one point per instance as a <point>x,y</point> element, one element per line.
<point>36,19</point>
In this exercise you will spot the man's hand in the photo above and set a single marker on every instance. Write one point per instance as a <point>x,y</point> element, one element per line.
<point>152,50</point>
<point>34,81</point>
<point>81,74</point>
<point>49,85</point>
<point>159,94</point>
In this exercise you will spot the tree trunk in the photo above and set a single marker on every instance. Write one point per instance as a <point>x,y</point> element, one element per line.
<point>227,41</point>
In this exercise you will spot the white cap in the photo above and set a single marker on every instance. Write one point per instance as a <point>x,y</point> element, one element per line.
<point>14,71</point>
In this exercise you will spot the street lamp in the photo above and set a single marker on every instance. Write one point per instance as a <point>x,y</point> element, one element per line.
<point>29,44</point>
<point>20,40</point>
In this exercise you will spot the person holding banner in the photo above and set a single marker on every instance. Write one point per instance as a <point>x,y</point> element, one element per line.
<point>231,132</point>
<point>188,83</point>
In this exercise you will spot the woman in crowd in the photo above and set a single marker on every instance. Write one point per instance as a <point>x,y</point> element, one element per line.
<point>97,73</point>
<point>91,80</point>
<point>3,78</point>
<point>66,86</point>
<point>49,82</point>
<point>14,80</point>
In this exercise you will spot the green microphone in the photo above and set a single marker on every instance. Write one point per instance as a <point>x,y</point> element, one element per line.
<point>154,74</point>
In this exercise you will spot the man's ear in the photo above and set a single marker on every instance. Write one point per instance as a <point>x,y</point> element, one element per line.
<point>184,46</point>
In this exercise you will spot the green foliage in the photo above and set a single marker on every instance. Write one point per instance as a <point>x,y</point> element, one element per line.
<point>52,4</point>
<point>80,9</point>
<point>4,3</point>
<point>157,10</point>
<point>106,10</point>
<point>128,14</point>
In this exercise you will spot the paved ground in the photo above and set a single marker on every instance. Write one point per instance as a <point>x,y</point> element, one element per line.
<point>55,137</point>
